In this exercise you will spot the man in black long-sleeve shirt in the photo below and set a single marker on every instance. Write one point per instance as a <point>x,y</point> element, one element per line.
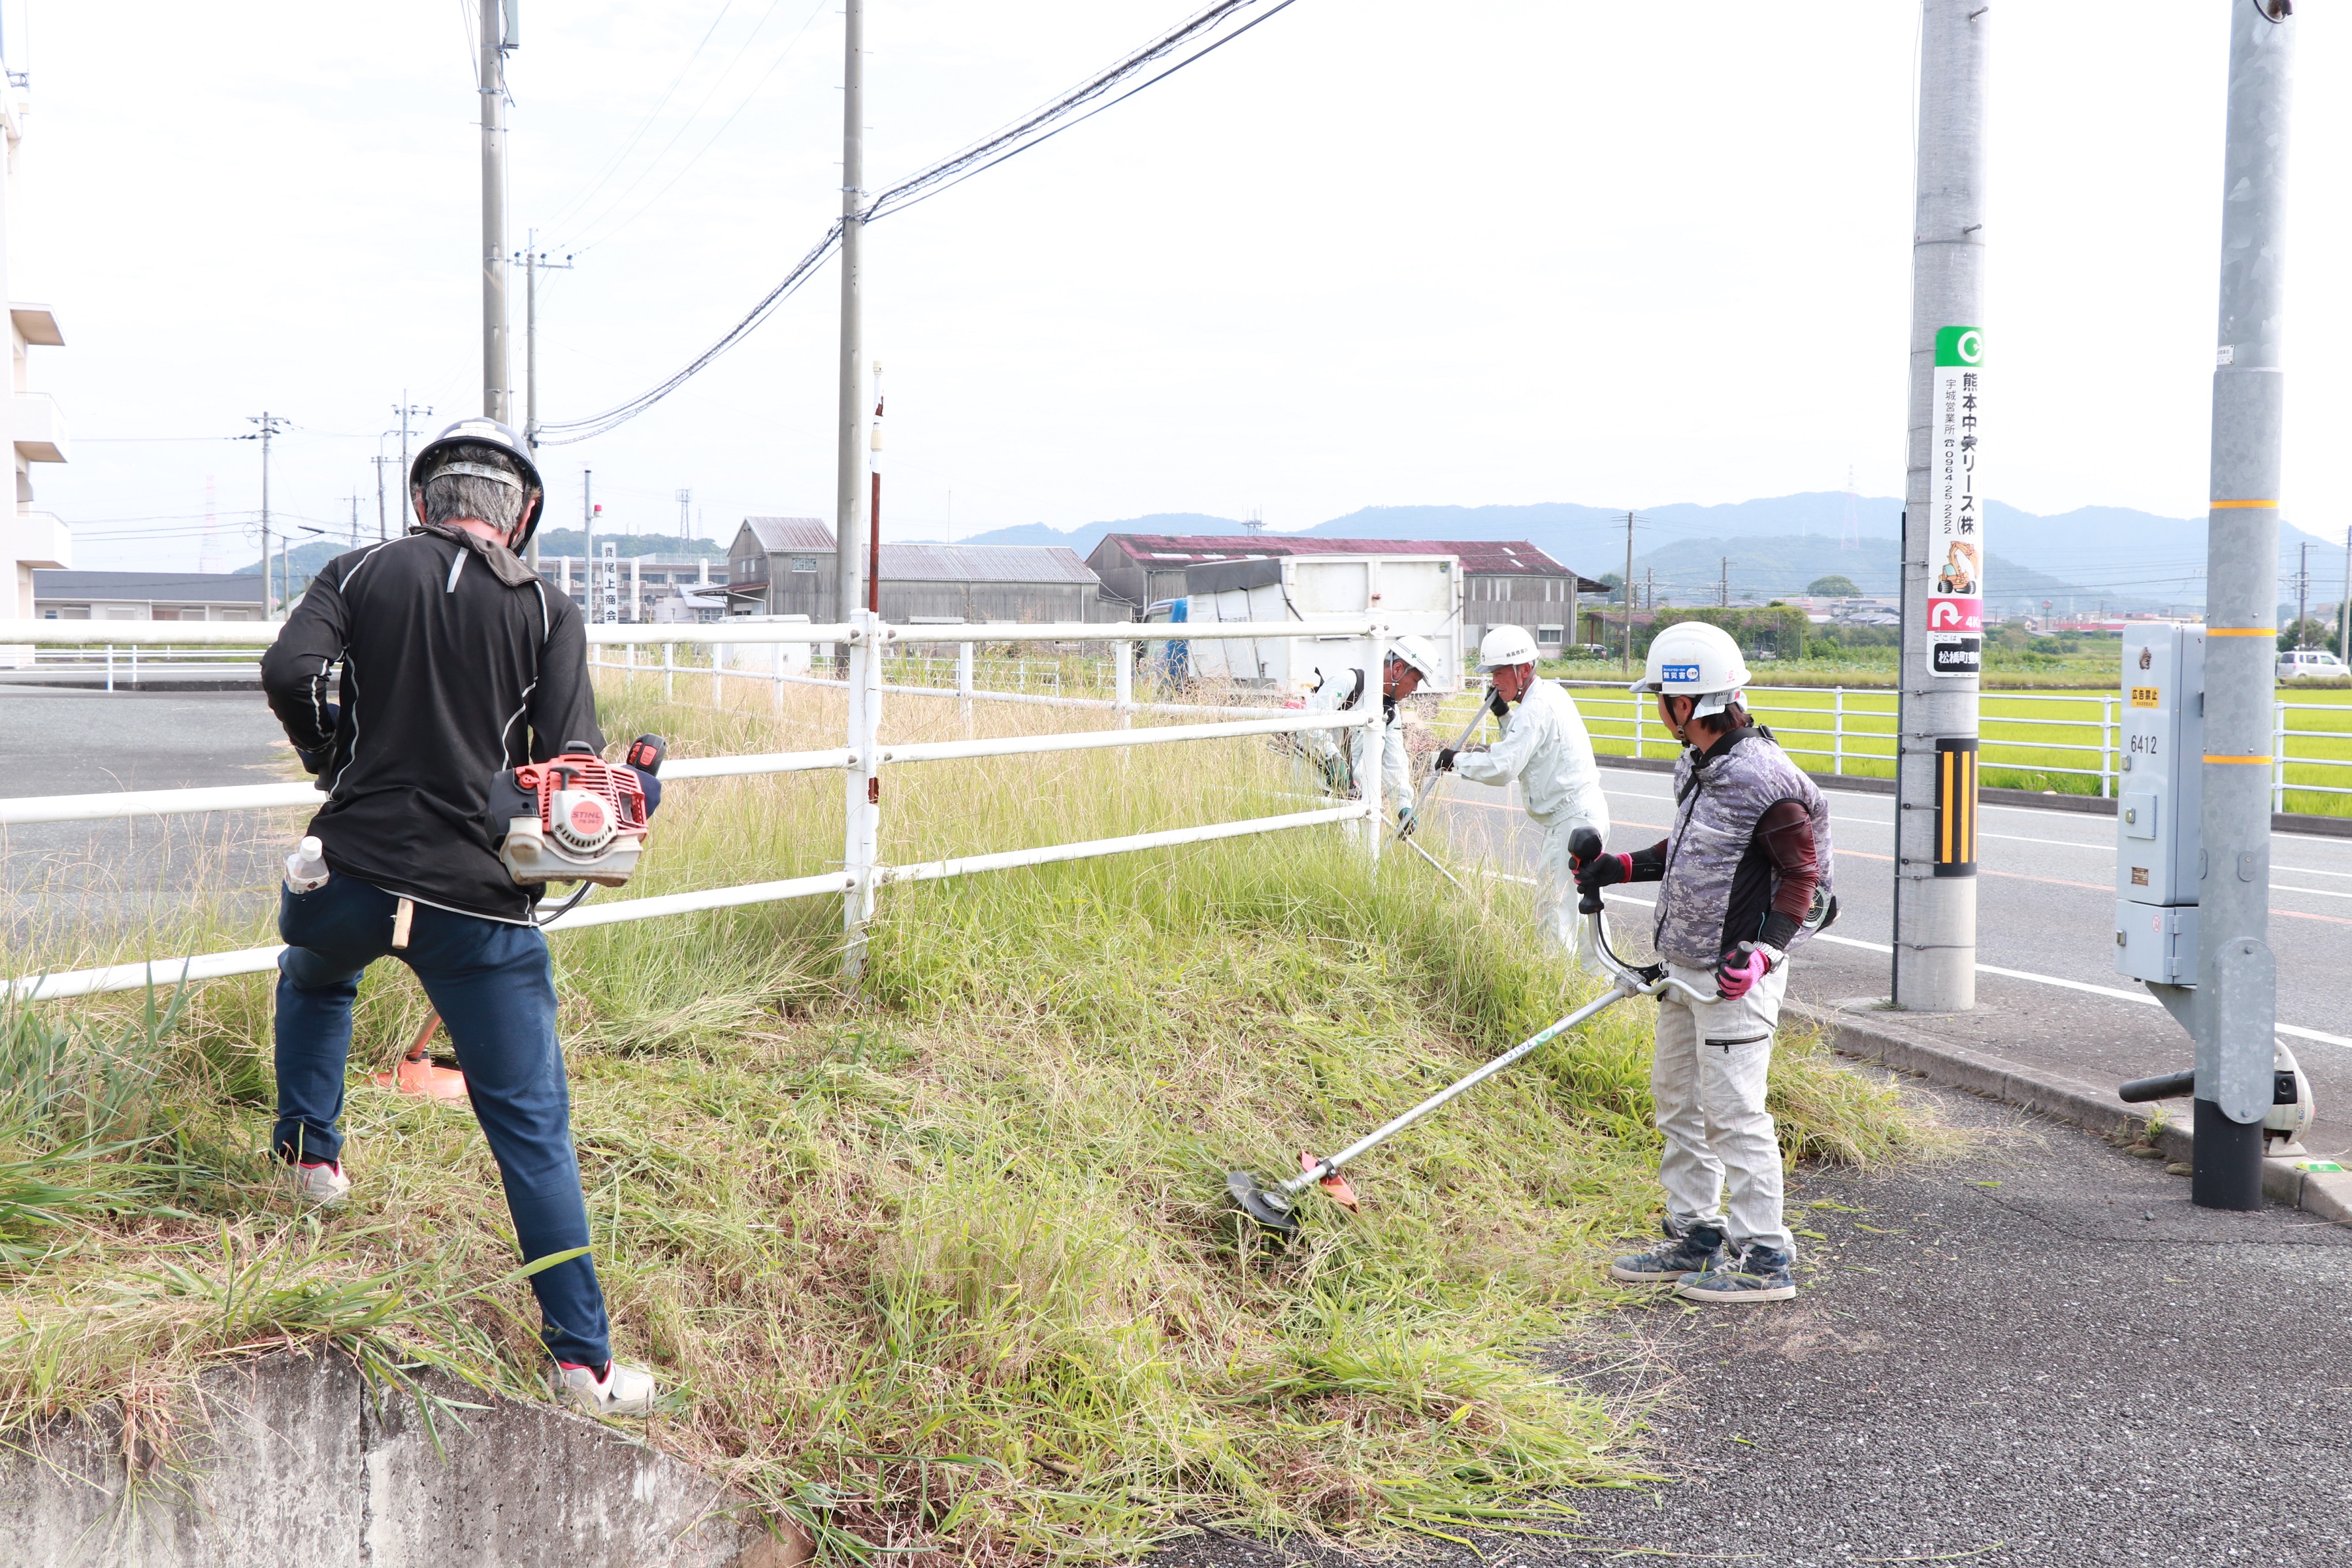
<point>456,663</point>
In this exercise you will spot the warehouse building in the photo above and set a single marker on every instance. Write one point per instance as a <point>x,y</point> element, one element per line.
<point>147,596</point>
<point>1504,582</point>
<point>785,566</point>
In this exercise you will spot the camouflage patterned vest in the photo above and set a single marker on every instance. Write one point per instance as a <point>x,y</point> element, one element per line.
<point>1719,880</point>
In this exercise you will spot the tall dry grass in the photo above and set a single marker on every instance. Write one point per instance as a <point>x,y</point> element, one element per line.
<point>937,1266</point>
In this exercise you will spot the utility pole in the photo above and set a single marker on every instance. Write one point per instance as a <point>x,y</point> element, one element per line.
<point>355,519</point>
<point>2343,604</point>
<point>2236,1004</point>
<point>1629,593</point>
<point>383,518</point>
<point>588,537</point>
<point>1723,583</point>
<point>406,410</point>
<point>270,424</point>
<point>1935,967</point>
<point>500,26</point>
<point>532,264</point>
<point>849,492</point>
<point>2303,598</point>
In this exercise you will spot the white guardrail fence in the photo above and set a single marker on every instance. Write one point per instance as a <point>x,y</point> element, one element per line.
<point>861,759</point>
<point>2074,734</point>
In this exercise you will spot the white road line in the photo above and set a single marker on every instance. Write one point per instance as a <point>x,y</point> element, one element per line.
<point>2119,995</point>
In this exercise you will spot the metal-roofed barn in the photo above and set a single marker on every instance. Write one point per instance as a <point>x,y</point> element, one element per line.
<point>786,567</point>
<point>1505,581</point>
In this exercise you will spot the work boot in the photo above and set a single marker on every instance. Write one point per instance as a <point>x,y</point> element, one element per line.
<point>320,1182</point>
<point>1689,1250</point>
<point>1753,1273</point>
<point>616,1391</point>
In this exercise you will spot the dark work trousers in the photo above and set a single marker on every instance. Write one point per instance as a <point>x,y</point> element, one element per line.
<point>495,990</point>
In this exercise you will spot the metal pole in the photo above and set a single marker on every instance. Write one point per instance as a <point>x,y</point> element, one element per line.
<point>492,87</point>
<point>1936,901</point>
<point>1122,691</point>
<point>2303,597</point>
<point>1629,601</point>
<point>588,543</point>
<point>2237,1001</point>
<point>863,814</point>
<point>268,426</point>
<point>874,504</point>
<point>849,491</point>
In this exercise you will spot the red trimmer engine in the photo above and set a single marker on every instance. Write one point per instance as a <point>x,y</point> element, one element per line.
<point>573,818</point>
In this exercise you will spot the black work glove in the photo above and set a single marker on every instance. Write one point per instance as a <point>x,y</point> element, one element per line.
<point>644,759</point>
<point>1446,755</point>
<point>315,762</point>
<point>1495,705</point>
<point>1604,870</point>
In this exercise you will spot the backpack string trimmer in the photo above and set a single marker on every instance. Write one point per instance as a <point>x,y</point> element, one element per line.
<point>573,818</point>
<point>1420,796</point>
<point>1273,1207</point>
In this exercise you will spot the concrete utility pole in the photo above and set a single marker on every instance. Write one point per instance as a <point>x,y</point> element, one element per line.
<point>382,517</point>
<point>1629,593</point>
<point>849,477</point>
<point>2343,604</point>
<point>588,538</point>
<point>270,424</point>
<point>500,27</point>
<point>2303,597</point>
<point>407,410</point>
<point>874,505</point>
<point>2237,999</point>
<point>1935,966</point>
<point>1723,583</point>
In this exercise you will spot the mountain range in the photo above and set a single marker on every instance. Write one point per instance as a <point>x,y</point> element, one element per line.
<point>2114,556</point>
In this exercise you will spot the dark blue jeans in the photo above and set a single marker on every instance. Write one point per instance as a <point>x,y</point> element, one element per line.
<point>495,991</point>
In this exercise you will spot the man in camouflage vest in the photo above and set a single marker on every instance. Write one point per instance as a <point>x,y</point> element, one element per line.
<point>1744,878</point>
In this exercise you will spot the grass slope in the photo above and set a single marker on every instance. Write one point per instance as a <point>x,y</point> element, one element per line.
<point>938,1266</point>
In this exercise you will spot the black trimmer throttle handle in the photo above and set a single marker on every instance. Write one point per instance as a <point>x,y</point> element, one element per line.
<point>646,754</point>
<point>1583,849</point>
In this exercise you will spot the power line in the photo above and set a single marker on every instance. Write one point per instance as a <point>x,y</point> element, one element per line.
<point>589,190</point>
<point>1028,131</point>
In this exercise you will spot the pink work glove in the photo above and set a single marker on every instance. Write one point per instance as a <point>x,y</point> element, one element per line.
<point>1739,973</point>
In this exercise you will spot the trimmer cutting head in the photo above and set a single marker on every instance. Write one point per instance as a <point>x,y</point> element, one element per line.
<point>1267,1207</point>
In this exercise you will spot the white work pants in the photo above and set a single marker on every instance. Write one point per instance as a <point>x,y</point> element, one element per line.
<point>1556,918</point>
<point>1707,1080</point>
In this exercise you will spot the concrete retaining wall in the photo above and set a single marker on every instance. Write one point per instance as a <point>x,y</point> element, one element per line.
<point>287,1460</point>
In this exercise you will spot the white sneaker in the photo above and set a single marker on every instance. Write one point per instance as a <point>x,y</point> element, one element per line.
<point>320,1182</point>
<point>621,1391</point>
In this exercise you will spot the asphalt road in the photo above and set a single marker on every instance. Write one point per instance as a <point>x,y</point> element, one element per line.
<point>58,875</point>
<point>2047,990</point>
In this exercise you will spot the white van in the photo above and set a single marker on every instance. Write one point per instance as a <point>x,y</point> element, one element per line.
<point>2311,664</point>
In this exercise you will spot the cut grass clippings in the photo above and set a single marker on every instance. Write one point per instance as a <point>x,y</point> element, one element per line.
<point>940,1266</point>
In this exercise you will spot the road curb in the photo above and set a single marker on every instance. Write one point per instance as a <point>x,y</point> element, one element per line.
<point>1880,1037</point>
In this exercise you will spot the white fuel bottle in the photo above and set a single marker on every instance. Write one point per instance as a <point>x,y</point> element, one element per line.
<point>306,869</point>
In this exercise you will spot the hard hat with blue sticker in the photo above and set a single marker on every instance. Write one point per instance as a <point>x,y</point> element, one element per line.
<point>1678,674</point>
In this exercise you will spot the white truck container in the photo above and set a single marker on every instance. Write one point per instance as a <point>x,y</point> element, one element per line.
<point>1418,595</point>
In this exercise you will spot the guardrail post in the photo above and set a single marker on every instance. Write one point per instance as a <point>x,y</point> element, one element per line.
<point>2278,754</point>
<point>669,671</point>
<point>862,794</point>
<point>109,667</point>
<point>1837,753</point>
<point>2106,746</point>
<point>963,680</point>
<point>1123,683</point>
<point>1637,706</point>
<point>134,667</point>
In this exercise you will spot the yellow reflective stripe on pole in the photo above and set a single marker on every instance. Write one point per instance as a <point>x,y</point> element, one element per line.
<point>2248,761</point>
<point>2241,631</point>
<point>2237,505</point>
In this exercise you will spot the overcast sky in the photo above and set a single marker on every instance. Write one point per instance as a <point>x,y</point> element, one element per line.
<point>1507,251</point>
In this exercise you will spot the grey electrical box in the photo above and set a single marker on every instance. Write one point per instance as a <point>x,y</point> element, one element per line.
<point>2162,763</point>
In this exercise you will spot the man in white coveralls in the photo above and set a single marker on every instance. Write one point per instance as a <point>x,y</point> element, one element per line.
<point>1409,662</point>
<point>1544,746</point>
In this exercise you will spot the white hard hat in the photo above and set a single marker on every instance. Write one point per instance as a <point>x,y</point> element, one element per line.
<point>1418,652</point>
<point>1692,659</point>
<point>1503,647</point>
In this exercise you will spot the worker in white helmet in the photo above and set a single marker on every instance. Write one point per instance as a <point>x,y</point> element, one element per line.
<point>1546,749</point>
<point>1409,662</point>
<point>1744,878</point>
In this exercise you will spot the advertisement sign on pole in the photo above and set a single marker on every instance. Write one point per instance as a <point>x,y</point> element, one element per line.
<point>1955,603</point>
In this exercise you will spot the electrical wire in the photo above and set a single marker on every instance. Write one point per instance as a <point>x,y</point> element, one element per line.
<point>588,192</point>
<point>1028,131</point>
